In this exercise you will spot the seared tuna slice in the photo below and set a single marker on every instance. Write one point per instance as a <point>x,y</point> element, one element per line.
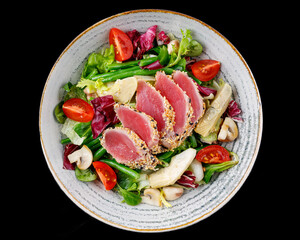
<point>188,85</point>
<point>141,123</point>
<point>127,148</point>
<point>180,102</point>
<point>151,102</point>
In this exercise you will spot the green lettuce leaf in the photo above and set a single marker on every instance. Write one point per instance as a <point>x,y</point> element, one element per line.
<point>74,92</point>
<point>86,175</point>
<point>68,130</point>
<point>93,86</point>
<point>187,47</point>
<point>99,62</point>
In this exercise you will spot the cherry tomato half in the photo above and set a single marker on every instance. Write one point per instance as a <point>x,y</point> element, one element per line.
<point>206,70</point>
<point>106,174</point>
<point>213,154</point>
<point>78,110</point>
<point>122,44</point>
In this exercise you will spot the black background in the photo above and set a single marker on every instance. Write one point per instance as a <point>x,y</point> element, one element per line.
<point>41,208</point>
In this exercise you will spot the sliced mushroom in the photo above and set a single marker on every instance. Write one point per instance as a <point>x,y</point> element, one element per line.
<point>152,197</point>
<point>229,131</point>
<point>172,193</point>
<point>90,93</point>
<point>83,157</point>
<point>173,46</point>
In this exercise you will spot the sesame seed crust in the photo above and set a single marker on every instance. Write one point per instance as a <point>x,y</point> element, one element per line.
<point>203,103</point>
<point>168,115</point>
<point>174,140</point>
<point>196,87</point>
<point>146,161</point>
<point>166,135</point>
<point>155,136</point>
<point>189,125</point>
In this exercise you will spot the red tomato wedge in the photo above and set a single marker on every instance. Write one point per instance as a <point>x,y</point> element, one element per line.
<point>213,154</point>
<point>78,110</point>
<point>106,174</point>
<point>122,44</point>
<point>206,70</point>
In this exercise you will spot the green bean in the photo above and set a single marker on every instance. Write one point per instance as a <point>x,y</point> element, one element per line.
<point>65,141</point>
<point>87,140</point>
<point>117,66</point>
<point>135,72</point>
<point>193,141</point>
<point>121,168</point>
<point>128,72</point>
<point>193,77</point>
<point>168,160</point>
<point>92,74</point>
<point>95,146</point>
<point>165,155</point>
<point>93,142</point>
<point>109,74</point>
<point>142,62</point>
<point>147,61</point>
<point>99,153</point>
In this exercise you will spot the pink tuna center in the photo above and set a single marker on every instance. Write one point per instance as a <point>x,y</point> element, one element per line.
<point>137,123</point>
<point>121,147</point>
<point>176,98</point>
<point>151,103</point>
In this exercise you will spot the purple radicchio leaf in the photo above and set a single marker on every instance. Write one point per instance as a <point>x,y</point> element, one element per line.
<point>146,41</point>
<point>163,37</point>
<point>104,114</point>
<point>233,110</point>
<point>153,66</point>
<point>188,180</point>
<point>134,36</point>
<point>69,148</point>
<point>205,91</point>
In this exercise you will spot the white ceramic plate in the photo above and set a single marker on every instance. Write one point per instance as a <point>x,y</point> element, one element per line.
<point>194,205</point>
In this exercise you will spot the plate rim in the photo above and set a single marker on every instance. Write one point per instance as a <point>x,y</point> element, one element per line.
<point>202,217</point>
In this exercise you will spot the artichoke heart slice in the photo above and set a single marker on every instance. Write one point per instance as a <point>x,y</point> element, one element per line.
<point>170,174</point>
<point>219,105</point>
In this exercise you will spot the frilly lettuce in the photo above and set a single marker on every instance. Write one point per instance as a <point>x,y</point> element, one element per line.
<point>187,47</point>
<point>93,86</point>
<point>98,62</point>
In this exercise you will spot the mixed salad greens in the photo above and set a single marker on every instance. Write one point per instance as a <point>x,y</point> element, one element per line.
<point>88,108</point>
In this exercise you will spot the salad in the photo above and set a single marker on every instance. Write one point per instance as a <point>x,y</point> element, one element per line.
<point>147,117</point>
